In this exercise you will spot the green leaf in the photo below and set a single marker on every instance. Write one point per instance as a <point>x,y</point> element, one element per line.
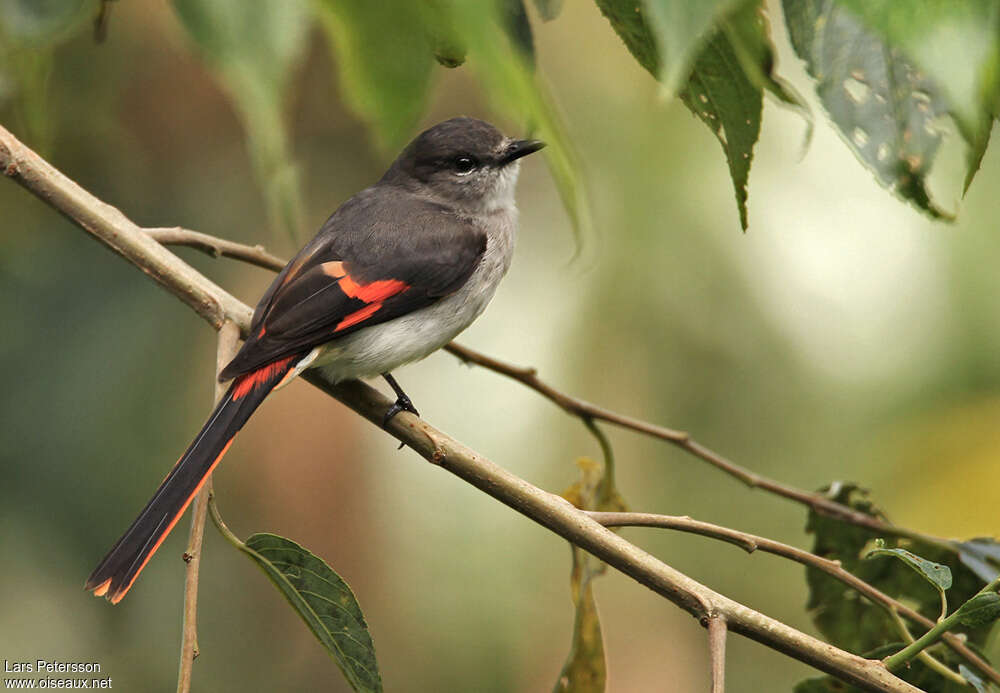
<point>325,603</point>
<point>935,573</point>
<point>982,556</point>
<point>749,32</point>
<point>253,51</point>
<point>719,89</point>
<point>957,44</point>
<point>980,610</point>
<point>729,103</point>
<point>885,109</point>
<point>680,30</point>
<point>514,17</point>
<point>385,58</point>
<point>854,623</point>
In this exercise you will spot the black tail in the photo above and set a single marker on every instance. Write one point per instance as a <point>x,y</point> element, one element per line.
<point>120,568</point>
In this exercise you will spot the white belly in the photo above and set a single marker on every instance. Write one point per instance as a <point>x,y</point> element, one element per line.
<point>382,348</point>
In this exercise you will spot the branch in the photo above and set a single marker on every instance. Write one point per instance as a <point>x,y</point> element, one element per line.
<point>215,305</point>
<point>587,411</point>
<point>229,337</point>
<point>751,543</point>
<point>217,247</point>
<point>110,227</point>
<point>717,632</point>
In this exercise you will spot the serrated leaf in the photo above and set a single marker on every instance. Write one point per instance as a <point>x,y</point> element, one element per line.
<point>982,556</point>
<point>718,89</point>
<point>884,108</point>
<point>384,57</point>
<point>253,49</point>
<point>723,97</point>
<point>957,44</point>
<point>324,601</point>
<point>935,573</point>
<point>749,32</point>
<point>680,29</point>
<point>980,610</point>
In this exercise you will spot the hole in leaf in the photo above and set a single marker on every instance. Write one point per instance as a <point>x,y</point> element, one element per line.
<point>857,90</point>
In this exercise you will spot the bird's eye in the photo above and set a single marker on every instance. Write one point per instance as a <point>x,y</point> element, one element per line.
<point>464,164</point>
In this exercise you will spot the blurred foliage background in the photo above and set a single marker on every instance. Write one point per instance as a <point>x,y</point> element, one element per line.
<point>845,336</point>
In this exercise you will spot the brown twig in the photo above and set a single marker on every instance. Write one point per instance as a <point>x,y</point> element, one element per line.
<point>216,247</point>
<point>717,632</point>
<point>228,344</point>
<point>751,543</point>
<point>586,410</point>
<point>111,227</point>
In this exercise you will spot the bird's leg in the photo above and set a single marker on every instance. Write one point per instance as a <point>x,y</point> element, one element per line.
<point>402,402</point>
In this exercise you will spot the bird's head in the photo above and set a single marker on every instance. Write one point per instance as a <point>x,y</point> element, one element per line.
<point>463,162</point>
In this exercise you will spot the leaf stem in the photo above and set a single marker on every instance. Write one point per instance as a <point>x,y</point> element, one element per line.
<point>896,661</point>
<point>925,656</point>
<point>227,534</point>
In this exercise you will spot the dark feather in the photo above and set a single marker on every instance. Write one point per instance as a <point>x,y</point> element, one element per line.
<point>432,256</point>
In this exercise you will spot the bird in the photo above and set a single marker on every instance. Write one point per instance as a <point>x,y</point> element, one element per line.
<point>395,273</point>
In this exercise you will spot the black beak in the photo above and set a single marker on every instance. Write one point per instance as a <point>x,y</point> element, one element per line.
<point>518,148</point>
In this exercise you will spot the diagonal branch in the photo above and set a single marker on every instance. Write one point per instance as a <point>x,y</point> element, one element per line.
<point>751,543</point>
<point>111,227</point>
<point>587,411</point>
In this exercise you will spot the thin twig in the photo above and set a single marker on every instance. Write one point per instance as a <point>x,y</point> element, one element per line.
<point>228,344</point>
<point>216,247</point>
<point>940,630</point>
<point>925,656</point>
<point>111,227</point>
<point>717,632</point>
<point>586,410</point>
<point>751,543</point>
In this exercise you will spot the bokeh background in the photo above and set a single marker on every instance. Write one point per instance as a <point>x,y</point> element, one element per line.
<point>845,336</point>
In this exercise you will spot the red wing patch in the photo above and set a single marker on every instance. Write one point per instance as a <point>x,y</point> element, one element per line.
<point>357,316</point>
<point>374,292</point>
<point>249,381</point>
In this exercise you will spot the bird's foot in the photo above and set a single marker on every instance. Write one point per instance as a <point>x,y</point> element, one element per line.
<point>403,403</point>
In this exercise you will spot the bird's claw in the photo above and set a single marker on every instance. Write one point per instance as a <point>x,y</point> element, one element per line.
<point>403,403</point>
